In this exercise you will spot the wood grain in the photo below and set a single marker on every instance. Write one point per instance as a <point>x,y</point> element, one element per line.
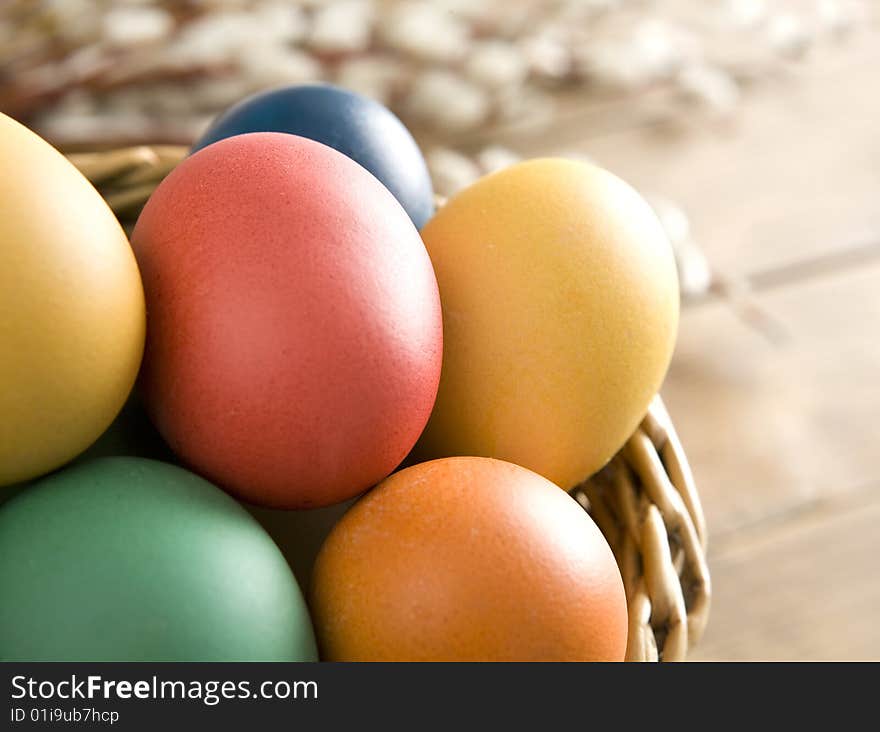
<point>806,588</point>
<point>768,426</point>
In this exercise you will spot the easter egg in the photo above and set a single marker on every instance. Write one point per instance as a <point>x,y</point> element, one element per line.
<point>356,126</point>
<point>294,338</point>
<point>126,559</point>
<point>468,559</point>
<point>71,309</point>
<point>560,311</point>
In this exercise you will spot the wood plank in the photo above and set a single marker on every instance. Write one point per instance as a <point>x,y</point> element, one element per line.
<point>806,589</point>
<point>769,426</point>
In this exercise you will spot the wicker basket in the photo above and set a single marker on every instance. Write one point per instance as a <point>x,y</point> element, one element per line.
<point>644,501</point>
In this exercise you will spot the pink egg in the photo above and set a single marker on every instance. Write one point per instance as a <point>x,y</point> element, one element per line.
<point>294,335</point>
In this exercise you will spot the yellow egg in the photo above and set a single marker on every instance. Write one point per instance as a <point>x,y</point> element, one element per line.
<point>71,309</point>
<point>560,311</point>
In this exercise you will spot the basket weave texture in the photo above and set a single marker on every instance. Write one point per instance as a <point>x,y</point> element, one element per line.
<point>644,500</point>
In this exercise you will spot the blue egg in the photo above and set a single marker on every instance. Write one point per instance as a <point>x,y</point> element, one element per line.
<point>355,125</point>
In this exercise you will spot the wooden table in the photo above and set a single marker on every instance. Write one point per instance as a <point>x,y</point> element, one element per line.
<point>780,420</point>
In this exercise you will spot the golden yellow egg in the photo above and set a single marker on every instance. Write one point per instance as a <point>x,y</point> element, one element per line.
<point>71,309</point>
<point>560,310</point>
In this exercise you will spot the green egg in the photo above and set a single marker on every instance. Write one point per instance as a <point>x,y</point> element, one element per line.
<point>128,559</point>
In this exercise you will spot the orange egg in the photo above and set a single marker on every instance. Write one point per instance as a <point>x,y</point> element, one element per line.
<point>468,559</point>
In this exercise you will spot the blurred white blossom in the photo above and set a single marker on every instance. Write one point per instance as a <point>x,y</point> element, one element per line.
<point>425,31</point>
<point>451,171</point>
<point>447,100</point>
<point>711,87</point>
<point>134,24</point>
<point>694,273</point>
<point>448,65</point>
<point>342,26</point>
<point>497,64</point>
